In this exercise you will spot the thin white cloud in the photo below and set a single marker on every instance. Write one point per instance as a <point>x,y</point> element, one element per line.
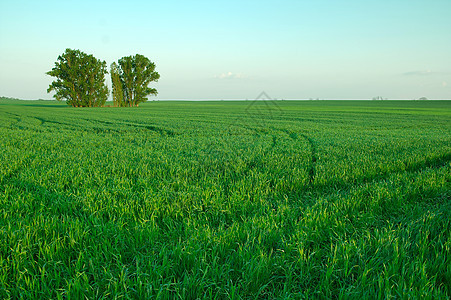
<point>424,73</point>
<point>230,75</point>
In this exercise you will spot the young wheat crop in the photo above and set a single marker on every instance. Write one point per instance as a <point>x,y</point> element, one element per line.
<point>317,199</point>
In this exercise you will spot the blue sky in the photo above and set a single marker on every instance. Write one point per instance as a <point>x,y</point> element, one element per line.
<point>328,49</point>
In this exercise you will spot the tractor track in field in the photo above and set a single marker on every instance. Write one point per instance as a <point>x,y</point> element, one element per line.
<point>295,137</point>
<point>258,132</point>
<point>313,158</point>
<point>42,120</point>
<point>161,131</point>
<point>312,169</point>
<point>18,118</point>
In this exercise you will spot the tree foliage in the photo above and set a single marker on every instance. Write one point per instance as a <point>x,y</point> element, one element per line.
<point>135,74</point>
<point>117,90</point>
<point>80,79</point>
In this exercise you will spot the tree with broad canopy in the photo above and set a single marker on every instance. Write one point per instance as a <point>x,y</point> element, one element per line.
<point>80,79</point>
<point>135,73</point>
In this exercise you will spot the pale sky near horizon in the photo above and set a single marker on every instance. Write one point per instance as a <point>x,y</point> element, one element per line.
<point>327,49</point>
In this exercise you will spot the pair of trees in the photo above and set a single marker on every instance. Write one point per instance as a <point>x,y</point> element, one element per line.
<point>80,80</point>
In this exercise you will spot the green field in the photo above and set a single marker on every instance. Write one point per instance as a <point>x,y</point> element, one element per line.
<point>238,200</point>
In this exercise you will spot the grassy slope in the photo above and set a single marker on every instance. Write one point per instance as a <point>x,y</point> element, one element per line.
<point>237,199</point>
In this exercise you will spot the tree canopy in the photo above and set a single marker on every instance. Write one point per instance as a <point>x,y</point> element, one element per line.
<point>80,79</point>
<point>117,90</point>
<point>131,78</point>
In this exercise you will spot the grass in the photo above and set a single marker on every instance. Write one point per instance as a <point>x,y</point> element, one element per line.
<point>238,200</point>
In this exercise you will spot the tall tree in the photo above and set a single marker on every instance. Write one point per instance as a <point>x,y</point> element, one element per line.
<point>80,79</point>
<point>117,90</point>
<point>136,73</point>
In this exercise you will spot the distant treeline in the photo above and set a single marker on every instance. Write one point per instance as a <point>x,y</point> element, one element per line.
<point>7,98</point>
<point>2,98</point>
